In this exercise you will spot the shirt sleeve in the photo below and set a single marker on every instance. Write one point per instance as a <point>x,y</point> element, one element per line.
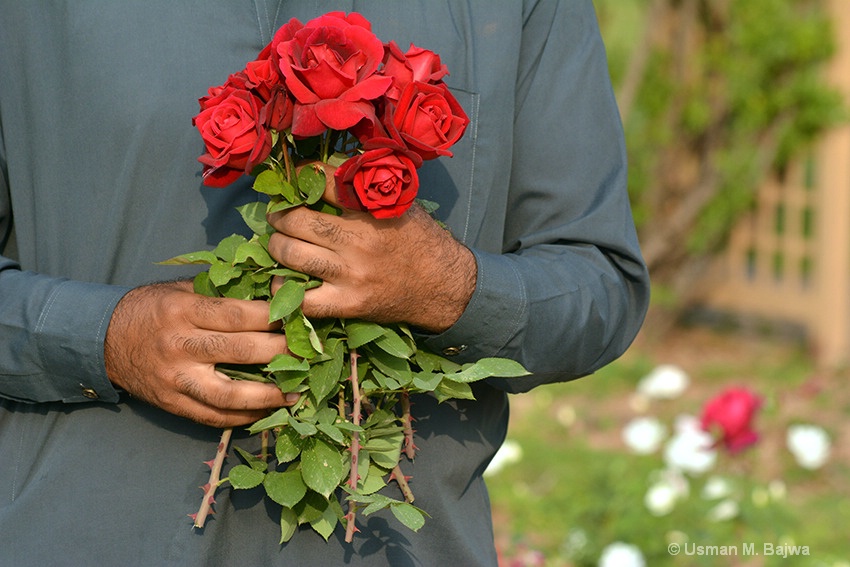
<point>51,337</point>
<point>51,329</point>
<point>570,290</point>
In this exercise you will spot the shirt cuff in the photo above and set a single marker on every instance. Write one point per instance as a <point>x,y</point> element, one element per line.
<point>70,334</point>
<point>496,313</point>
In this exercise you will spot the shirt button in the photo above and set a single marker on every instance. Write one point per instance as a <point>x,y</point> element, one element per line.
<point>454,350</point>
<point>90,393</point>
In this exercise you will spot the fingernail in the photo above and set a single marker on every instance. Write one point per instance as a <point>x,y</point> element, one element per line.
<point>292,397</point>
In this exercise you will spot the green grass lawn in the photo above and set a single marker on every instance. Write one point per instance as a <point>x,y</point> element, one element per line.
<point>577,487</point>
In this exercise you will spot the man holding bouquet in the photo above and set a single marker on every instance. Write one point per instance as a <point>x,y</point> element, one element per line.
<point>111,398</point>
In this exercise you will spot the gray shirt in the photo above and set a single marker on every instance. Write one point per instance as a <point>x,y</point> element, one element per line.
<point>99,175</point>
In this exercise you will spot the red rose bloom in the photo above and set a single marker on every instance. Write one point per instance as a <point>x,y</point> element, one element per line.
<point>417,64</point>
<point>330,67</point>
<point>428,119</point>
<point>732,413</point>
<point>233,134</point>
<point>382,181</point>
<point>262,77</point>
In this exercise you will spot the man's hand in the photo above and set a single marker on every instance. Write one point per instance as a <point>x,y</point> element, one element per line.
<point>407,269</point>
<point>163,342</point>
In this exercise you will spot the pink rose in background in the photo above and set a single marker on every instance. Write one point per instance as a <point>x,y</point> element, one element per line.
<point>732,413</point>
<point>233,134</point>
<point>330,65</point>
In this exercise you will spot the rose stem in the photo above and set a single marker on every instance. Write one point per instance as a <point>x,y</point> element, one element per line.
<point>399,477</point>
<point>407,424</point>
<point>264,444</point>
<point>355,447</point>
<point>215,475</point>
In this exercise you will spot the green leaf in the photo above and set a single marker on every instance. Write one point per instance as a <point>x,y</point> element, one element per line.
<point>283,205</point>
<point>269,182</point>
<point>222,273</point>
<point>324,376</point>
<point>426,381</point>
<point>291,381</point>
<point>373,481</point>
<point>283,361</point>
<point>327,416</point>
<point>311,183</point>
<point>226,249</point>
<point>487,368</point>
<point>286,300</point>
<point>409,515</point>
<point>202,285</point>
<point>202,257</point>
<point>288,524</point>
<point>322,466</point>
<point>288,445</point>
<point>385,450</point>
<point>430,207</point>
<point>390,342</point>
<point>378,502</point>
<point>448,390</point>
<point>322,515</point>
<point>240,287</point>
<point>255,251</point>
<point>333,432</point>
<point>254,215</point>
<point>430,362</point>
<point>301,338</point>
<point>399,368</point>
<point>361,332</point>
<point>303,428</point>
<point>285,488</point>
<point>244,477</point>
<point>252,461</point>
<point>277,419</point>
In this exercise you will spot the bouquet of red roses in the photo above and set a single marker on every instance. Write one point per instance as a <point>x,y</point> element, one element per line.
<point>329,91</point>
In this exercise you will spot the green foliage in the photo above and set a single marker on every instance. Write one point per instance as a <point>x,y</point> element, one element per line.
<point>725,94</point>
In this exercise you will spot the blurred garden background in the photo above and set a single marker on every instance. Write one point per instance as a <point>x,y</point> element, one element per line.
<point>721,437</point>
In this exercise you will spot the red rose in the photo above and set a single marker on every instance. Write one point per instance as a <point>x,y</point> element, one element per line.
<point>732,412</point>
<point>233,134</point>
<point>427,118</point>
<point>382,181</point>
<point>262,77</point>
<point>330,67</point>
<point>417,64</point>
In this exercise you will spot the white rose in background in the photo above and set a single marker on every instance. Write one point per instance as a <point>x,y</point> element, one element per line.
<point>619,554</point>
<point>809,444</point>
<point>643,435</point>
<point>510,452</point>
<point>717,487</point>
<point>666,489</point>
<point>725,510</point>
<point>690,449</point>
<point>664,382</point>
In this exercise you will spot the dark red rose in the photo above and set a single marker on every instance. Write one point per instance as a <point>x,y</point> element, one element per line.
<point>731,413</point>
<point>427,118</point>
<point>417,64</point>
<point>382,181</point>
<point>330,67</point>
<point>277,112</point>
<point>233,135</point>
<point>262,77</point>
